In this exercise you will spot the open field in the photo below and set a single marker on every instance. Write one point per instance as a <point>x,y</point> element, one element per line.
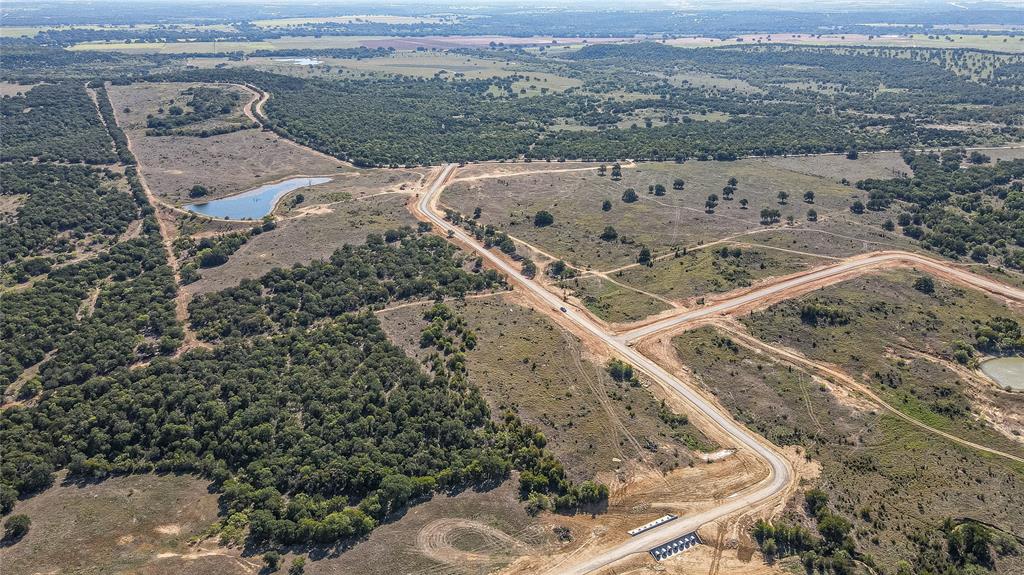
<point>675,220</point>
<point>709,270</point>
<point>996,42</point>
<point>30,31</point>
<point>14,89</point>
<point>327,42</point>
<point>225,164</point>
<point>888,478</point>
<point>132,524</point>
<point>611,302</point>
<point>902,342</point>
<point>375,18</point>
<point>836,167</point>
<point>306,234</point>
<point>594,425</point>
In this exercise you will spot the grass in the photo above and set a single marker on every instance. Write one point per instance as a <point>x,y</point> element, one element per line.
<point>115,526</point>
<point>888,477</point>
<point>707,271</point>
<point>663,224</point>
<point>996,42</point>
<point>315,235</point>
<point>614,303</point>
<point>525,363</point>
<point>889,321</point>
<point>225,164</point>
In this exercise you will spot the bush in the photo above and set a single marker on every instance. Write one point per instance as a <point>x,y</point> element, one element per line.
<point>543,218</point>
<point>16,527</point>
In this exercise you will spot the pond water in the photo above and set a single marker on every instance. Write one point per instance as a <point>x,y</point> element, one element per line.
<point>300,61</point>
<point>254,204</point>
<point>1006,371</point>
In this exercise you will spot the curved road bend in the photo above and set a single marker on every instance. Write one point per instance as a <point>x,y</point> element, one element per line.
<point>864,263</point>
<point>780,475</point>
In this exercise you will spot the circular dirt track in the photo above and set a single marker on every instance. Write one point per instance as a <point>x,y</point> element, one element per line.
<point>437,540</point>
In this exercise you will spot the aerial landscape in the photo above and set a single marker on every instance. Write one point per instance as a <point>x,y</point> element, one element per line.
<point>512,287</point>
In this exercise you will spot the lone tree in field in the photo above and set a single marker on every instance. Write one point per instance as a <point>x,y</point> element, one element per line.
<point>602,170</point>
<point>783,197</point>
<point>852,154</point>
<point>645,256</point>
<point>616,171</point>
<point>609,234</point>
<point>857,207</point>
<point>606,206</point>
<point>770,216</point>
<point>733,182</point>
<point>809,197</point>
<point>659,190</point>
<point>727,192</point>
<point>629,196</point>
<point>198,191</point>
<point>812,215</point>
<point>743,203</point>
<point>543,218</point>
<point>678,184</point>
<point>711,203</point>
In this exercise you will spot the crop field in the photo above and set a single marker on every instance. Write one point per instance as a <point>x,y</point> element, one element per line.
<point>903,341</point>
<point>225,164</point>
<point>888,478</point>
<point>132,524</point>
<point>379,18</point>
<point>524,363</point>
<point>995,42</point>
<point>662,223</point>
<point>307,234</point>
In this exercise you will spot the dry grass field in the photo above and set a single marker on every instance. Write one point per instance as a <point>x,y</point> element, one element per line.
<point>889,478</point>
<point>666,223</point>
<point>225,164</point>
<point>306,234</point>
<point>523,362</point>
<point>133,524</point>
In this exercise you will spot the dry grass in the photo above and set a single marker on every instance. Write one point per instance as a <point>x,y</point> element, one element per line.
<point>120,525</point>
<point>225,164</point>
<point>315,234</point>
<point>525,363</point>
<point>675,220</point>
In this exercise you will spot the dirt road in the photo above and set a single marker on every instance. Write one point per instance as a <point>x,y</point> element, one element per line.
<point>781,473</point>
<point>792,286</point>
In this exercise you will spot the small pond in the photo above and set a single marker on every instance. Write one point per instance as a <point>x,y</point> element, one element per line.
<point>1008,372</point>
<point>254,204</point>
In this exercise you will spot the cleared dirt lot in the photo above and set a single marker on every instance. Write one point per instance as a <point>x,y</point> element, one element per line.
<point>307,234</point>
<point>225,164</point>
<point>675,220</point>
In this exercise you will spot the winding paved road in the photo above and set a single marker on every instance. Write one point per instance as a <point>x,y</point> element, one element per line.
<point>780,471</point>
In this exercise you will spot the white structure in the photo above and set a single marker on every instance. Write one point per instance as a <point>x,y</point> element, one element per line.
<point>651,525</point>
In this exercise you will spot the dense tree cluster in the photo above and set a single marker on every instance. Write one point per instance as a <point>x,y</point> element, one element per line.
<point>355,276</point>
<point>976,211</point>
<point>204,103</point>
<point>54,122</point>
<point>64,205</point>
